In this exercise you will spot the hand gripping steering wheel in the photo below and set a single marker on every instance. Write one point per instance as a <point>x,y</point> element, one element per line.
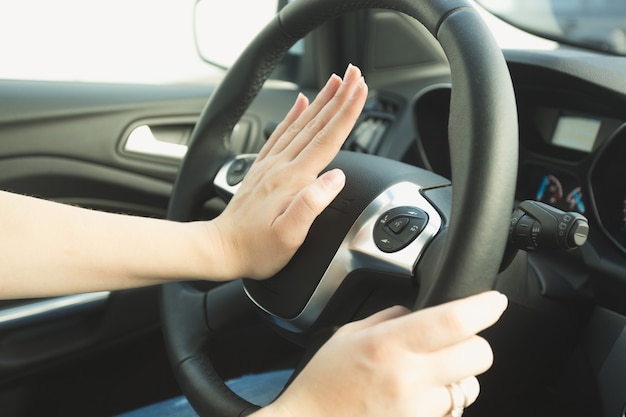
<point>393,225</point>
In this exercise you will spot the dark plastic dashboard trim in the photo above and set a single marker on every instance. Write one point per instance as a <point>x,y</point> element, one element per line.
<point>53,308</point>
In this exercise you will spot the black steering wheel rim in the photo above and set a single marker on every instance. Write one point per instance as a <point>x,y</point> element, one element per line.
<point>483,143</point>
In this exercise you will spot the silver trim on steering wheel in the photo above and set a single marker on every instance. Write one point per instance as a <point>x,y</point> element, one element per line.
<point>359,251</point>
<point>221,179</point>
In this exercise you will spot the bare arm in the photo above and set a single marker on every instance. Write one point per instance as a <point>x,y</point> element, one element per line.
<point>51,249</point>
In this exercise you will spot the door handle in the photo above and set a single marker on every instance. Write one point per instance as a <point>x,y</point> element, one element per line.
<point>142,140</point>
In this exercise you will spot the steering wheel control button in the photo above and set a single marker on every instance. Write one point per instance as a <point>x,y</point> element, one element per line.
<point>238,169</point>
<point>398,224</point>
<point>397,228</point>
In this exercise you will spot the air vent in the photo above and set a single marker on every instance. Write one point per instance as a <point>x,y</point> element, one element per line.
<point>374,122</point>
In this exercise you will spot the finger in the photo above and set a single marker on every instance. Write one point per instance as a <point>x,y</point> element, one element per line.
<point>328,141</point>
<point>301,104</point>
<point>450,323</point>
<point>294,223</point>
<point>289,130</point>
<point>468,358</point>
<point>324,135</point>
<point>442,400</point>
<point>471,389</point>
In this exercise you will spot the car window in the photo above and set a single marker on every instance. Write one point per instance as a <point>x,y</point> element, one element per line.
<point>593,24</point>
<point>234,35</point>
<point>128,41</point>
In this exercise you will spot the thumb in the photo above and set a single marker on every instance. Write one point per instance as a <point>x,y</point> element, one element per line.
<point>333,182</point>
<point>310,202</point>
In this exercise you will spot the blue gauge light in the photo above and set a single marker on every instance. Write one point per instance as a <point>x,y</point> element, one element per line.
<point>542,188</point>
<point>550,190</point>
<point>575,200</point>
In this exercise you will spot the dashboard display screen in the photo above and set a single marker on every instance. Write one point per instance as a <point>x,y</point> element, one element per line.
<point>577,133</point>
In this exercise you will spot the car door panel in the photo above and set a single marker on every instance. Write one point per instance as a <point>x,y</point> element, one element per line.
<point>69,142</point>
<point>61,141</point>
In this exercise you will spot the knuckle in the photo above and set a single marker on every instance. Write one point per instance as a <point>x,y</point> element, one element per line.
<point>376,350</point>
<point>398,311</point>
<point>344,330</point>
<point>347,329</point>
<point>454,321</point>
<point>322,136</point>
<point>396,387</point>
<point>315,125</point>
<point>293,129</point>
<point>308,201</point>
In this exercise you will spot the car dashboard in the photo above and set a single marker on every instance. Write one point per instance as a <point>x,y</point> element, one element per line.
<point>572,154</point>
<point>572,147</point>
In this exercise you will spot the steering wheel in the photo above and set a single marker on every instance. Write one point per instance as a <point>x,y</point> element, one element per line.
<point>393,224</point>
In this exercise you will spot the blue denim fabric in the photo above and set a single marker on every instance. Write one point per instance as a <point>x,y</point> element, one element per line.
<point>259,389</point>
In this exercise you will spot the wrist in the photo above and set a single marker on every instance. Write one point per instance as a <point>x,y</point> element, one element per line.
<point>211,254</point>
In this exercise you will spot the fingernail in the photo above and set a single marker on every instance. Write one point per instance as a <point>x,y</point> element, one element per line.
<point>330,79</point>
<point>349,72</point>
<point>361,83</point>
<point>334,179</point>
<point>300,97</point>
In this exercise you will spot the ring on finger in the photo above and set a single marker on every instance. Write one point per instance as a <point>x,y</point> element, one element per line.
<point>459,399</point>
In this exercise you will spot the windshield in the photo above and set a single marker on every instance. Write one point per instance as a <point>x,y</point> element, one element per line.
<point>593,24</point>
<point>123,41</point>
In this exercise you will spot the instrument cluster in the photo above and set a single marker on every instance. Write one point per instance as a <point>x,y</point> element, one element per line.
<point>576,162</point>
<point>572,152</point>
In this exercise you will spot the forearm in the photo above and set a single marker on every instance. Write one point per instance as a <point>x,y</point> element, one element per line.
<point>51,249</point>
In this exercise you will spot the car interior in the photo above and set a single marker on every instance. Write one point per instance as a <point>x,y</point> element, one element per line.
<point>550,131</point>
